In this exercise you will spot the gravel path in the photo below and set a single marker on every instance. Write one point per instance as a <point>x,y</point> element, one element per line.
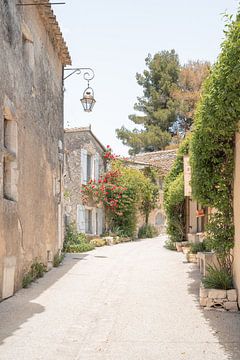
<point>132,301</point>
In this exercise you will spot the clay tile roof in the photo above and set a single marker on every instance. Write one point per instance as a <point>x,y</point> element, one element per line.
<point>163,159</point>
<point>52,26</point>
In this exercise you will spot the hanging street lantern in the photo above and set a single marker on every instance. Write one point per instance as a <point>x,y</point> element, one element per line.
<point>87,100</point>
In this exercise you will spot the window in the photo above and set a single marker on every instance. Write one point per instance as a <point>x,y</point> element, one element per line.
<point>10,172</point>
<point>88,221</point>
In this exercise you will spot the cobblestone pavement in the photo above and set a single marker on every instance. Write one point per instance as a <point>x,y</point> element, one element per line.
<point>130,301</point>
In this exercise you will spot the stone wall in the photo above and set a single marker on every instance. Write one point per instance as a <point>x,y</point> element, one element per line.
<point>31,99</point>
<point>77,140</point>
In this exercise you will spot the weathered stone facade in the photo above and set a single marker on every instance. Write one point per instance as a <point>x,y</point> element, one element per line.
<point>31,139</point>
<point>83,161</point>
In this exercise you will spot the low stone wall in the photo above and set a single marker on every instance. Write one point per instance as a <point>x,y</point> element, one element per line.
<point>218,299</point>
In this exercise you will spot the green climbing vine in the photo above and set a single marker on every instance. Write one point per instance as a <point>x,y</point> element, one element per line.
<point>174,195</point>
<point>213,142</point>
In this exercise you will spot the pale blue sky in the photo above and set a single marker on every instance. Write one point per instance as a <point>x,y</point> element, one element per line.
<point>114,38</point>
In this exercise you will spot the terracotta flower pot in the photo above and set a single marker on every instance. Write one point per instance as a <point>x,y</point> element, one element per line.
<point>179,246</point>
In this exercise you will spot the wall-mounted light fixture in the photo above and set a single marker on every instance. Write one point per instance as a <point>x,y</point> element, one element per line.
<point>41,4</point>
<point>87,100</point>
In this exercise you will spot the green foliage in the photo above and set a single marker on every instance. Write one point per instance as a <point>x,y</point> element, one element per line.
<point>117,231</point>
<point>187,93</point>
<point>137,190</point>
<point>75,241</point>
<point>98,242</point>
<point>174,196</point>
<point>220,235</point>
<point>218,279</point>
<point>80,247</point>
<point>147,231</point>
<point>37,271</point>
<point>58,258</point>
<point>170,93</point>
<point>27,280</point>
<point>157,104</point>
<point>151,192</point>
<point>170,245</point>
<point>197,247</point>
<point>123,191</point>
<point>213,140</point>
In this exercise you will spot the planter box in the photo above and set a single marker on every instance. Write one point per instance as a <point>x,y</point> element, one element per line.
<point>205,259</point>
<point>218,299</point>
<point>192,258</point>
<point>179,246</point>
<point>185,249</point>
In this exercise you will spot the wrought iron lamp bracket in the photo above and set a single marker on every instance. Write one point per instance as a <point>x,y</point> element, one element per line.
<point>88,73</point>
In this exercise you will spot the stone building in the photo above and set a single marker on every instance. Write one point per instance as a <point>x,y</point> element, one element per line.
<point>83,162</point>
<point>32,57</point>
<point>162,161</point>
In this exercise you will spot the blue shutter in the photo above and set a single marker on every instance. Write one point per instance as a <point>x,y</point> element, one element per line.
<point>96,170</point>
<point>83,166</point>
<point>100,221</point>
<point>81,218</point>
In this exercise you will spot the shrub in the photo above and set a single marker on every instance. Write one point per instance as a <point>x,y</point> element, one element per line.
<point>58,258</point>
<point>170,245</point>
<point>197,247</point>
<point>36,271</point>
<point>147,231</point>
<point>218,279</point>
<point>27,280</point>
<point>81,247</point>
<point>75,241</point>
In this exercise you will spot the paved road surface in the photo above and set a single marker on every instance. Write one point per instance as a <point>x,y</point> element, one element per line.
<point>133,301</point>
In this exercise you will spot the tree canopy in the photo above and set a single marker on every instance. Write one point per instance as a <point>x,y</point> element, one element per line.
<point>170,93</point>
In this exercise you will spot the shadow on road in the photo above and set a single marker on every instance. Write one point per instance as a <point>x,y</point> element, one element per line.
<point>16,310</point>
<point>225,325</point>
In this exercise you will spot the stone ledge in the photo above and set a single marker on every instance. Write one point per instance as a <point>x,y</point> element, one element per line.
<point>222,300</point>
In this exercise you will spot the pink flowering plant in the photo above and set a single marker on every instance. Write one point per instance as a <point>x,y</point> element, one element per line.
<point>121,190</point>
<point>106,190</point>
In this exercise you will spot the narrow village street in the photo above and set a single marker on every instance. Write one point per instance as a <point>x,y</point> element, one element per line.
<point>130,301</point>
